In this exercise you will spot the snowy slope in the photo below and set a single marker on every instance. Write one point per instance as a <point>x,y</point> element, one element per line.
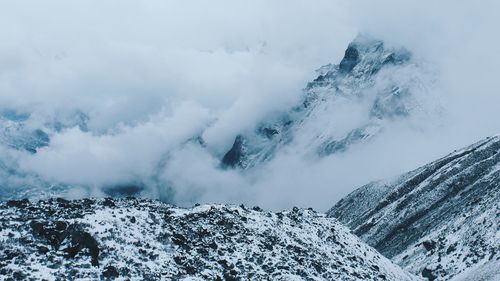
<point>149,240</point>
<point>439,221</point>
<point>22,133</point>
<point>15,133</point>
<point>346,104</point>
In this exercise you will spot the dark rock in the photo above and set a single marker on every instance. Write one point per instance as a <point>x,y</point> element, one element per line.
<point>37,227</point>
<point>63,202</point>
<point>257,209</point>
<point>179,260</point>
<point>18,203</point>
<point>18,275</point>
<point>269,132</point>
<point>451,249</point>
<point>108,202</point>
<point>351,58</point>
<point>110,272</point>
<point>191,270</point>
<point>235,155</point>
<point>51,234</point>
<point>429,245</point>
<point>61,225</point>
<point>230,275</point>
<point>43,250</point>
<point>9,255</point>
<point>179,239</point>
<point>427,273</point>
<point>83,240</point>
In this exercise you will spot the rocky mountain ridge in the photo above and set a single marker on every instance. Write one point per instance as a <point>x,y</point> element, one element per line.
<point>378,84</point>
<point>439,221</point>
<point>140,239</point>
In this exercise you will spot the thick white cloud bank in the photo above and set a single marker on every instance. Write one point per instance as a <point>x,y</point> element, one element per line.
<point>150,75</point>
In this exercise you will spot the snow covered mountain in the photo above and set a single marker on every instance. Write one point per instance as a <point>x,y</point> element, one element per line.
<point>19,131</point>
<point>439,221</point>
<point>346,104</point>
<point>18,135</point>
<point>138,239</point>
<point>371,88</point>
<point>15,133</point>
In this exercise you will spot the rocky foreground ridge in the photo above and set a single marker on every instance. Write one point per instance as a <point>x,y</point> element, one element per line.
<point>139,239</point>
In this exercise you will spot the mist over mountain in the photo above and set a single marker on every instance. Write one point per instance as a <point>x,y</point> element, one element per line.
<point>202,140</point>
<point>374,90</point>
<point>123,106</point>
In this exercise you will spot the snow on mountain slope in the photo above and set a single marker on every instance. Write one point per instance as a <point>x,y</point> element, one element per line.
<point>346,104</point>
<point>134,239</point>
<point>438,221</point>
<point>21,134</point>
<point>16,134</point>
<point>371,88</point>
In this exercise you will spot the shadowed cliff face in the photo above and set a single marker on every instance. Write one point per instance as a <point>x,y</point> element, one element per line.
<point>437,220</point>
<point>365,84</point>
<point>351,58</point>
<point>235,156</point>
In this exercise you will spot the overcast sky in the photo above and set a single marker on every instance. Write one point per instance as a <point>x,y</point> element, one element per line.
<point>151,74</point>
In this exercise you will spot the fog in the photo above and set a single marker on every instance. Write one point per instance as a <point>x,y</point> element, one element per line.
<point>151,76</point>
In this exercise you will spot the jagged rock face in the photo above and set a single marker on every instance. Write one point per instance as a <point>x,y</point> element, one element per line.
<point>148,240</point>
<point>351,58</point>
<point>235,156</point>
<point>374,83</point>
<point>439,221</point>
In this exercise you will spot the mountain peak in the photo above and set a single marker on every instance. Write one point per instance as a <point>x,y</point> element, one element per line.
<point>357,82</point>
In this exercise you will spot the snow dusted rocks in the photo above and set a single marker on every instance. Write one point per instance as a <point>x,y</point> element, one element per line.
<point>149,240</point>
<point>439,221</point>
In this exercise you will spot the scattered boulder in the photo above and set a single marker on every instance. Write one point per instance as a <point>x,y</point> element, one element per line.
<point>18,203</point>
<point>110,272</point>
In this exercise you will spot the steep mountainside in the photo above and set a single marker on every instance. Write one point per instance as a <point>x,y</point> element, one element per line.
<point>149,240</point>
<point>438,221</point>
<point>346,104</point>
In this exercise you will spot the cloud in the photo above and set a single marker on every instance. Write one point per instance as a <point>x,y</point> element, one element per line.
<point>127,154</point>
<point>150,76</point>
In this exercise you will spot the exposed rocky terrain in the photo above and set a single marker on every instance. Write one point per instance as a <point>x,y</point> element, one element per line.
<point>439,221</point>
<point>140,239</point>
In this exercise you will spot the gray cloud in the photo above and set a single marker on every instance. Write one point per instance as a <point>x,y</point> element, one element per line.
<point>150,76</point>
